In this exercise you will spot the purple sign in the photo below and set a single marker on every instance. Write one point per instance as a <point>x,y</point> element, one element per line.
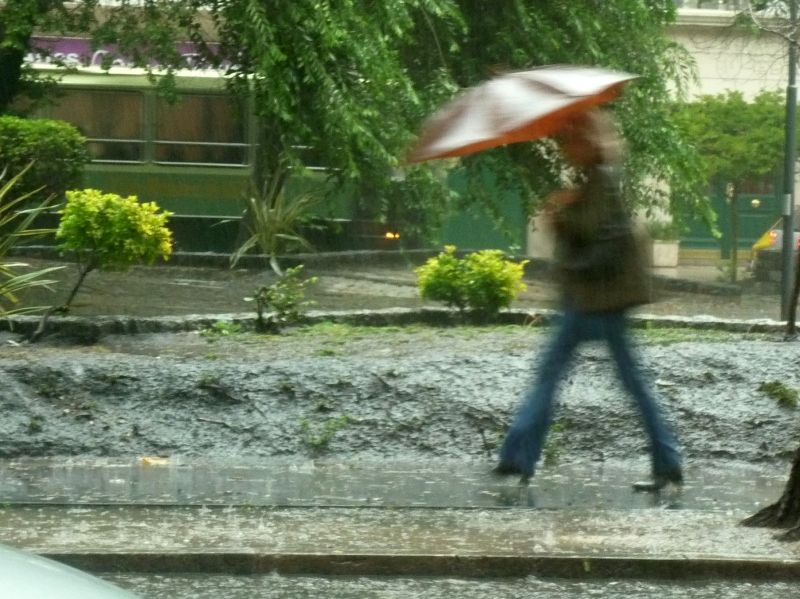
<point>77,52</point>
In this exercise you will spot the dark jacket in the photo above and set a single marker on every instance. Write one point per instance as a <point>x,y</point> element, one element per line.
<point>600,262</point>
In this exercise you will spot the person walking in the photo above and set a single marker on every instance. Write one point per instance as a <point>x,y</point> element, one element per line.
<point>602,275</point>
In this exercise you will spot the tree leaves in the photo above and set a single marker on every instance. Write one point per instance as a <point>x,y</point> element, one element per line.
<point>354,79</point>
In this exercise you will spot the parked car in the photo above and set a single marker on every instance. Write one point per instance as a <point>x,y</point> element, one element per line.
<point>765,257</point>
<point>28,576</point>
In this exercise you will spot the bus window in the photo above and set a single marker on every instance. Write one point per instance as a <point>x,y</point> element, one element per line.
<point>112,121</point>
<point>200,129</point>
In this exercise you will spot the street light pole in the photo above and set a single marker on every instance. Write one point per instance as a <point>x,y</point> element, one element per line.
<point>787,247</point>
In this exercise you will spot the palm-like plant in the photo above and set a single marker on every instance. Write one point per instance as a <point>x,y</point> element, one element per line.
<point>273,221</point>
<point>15,223</point>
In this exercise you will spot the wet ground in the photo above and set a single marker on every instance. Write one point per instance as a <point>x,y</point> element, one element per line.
<point>418,392</point>
<point>388,529</point>
<point>295,483</point>
<point>200,586</point>
<point>264,441</point>
<point>164,290</point>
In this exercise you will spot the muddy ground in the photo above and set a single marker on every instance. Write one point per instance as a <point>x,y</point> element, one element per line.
<point>417,392</point>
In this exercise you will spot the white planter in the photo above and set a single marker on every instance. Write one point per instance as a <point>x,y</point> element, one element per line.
<point>665,254</point>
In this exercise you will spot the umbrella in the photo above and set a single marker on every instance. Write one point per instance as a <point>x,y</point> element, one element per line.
<point>514,107</point>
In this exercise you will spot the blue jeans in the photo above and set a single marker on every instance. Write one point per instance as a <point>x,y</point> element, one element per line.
<point>525,439</point>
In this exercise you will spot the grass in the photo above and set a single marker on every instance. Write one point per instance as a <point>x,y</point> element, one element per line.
<point>785,396</point>
<point>317,437</point>
<point>650,335</point>
<point>332,337</point>
<point>220,329</point>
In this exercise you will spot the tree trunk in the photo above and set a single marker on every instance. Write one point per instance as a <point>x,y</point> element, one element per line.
<point>791,327</point>
<point>785,513</point>
<point>10,73</point>
<point>18,19</point>
<point>734,234</point>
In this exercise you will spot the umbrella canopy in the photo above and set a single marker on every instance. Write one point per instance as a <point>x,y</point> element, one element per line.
<point>514,107</point>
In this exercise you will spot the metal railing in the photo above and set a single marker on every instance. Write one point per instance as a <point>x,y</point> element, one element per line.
<point>712,4</point>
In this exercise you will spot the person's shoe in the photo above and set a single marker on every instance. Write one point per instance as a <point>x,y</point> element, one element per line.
<point>659,482</point>
<point>503,469</point>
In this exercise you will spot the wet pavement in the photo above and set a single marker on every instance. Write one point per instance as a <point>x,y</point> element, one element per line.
<point>231,517</point>
<point>686,290</point>
<point>301,587</point>
<point>276,482</point>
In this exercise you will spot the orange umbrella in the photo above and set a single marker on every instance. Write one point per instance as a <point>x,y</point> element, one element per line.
<point>514,107</point>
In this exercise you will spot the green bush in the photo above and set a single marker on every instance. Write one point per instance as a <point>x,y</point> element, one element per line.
<point>285,298</point>
<point>493,281</point>
<point>16,224</point>
<point>483,282</point>
<point>55,150</point>
<point>111,232</point>
<point>108,232</point>
<point>441,279</point>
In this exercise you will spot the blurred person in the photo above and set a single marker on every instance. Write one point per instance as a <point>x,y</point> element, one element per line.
<point>602,274</point>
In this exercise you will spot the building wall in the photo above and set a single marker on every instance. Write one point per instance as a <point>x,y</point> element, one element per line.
<point>729,58</point>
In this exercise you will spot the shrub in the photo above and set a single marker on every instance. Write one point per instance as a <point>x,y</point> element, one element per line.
<point>108,232</point>
<point>285,298</point>
<point>274,220</point>
<point>14,225</point>
<point>492,281</point>
<point>483,282</point>
<point>441,279</point>
<point>780,392</point>
<point>55,150</point>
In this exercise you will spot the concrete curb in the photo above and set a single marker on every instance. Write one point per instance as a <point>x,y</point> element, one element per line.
<point>484,566</point>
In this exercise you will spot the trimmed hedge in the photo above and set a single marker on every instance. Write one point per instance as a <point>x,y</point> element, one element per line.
<point>57,150</point>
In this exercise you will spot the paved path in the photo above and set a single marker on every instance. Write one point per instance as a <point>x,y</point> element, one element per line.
<point>179,515</point>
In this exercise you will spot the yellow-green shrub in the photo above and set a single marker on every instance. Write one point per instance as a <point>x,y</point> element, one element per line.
<point>483,282</point>
<point>492,281</point>
<point>110,232</point>
<point>105,231</point>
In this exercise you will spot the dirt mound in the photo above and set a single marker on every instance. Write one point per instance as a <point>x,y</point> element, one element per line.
<point>416,392</point>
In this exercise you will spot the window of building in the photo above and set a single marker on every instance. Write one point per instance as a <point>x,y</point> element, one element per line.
<point>200,129</point>
<point>112,121</point>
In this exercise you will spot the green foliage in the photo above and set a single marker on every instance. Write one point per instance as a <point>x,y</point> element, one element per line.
<point>51,153</point>
<point>780,392</point>
<point>493,281</point>
<point>36,424</point>
<point>483,282</point>
<point>110,232</point>
<point>663,230</point>
<point>273,221</point>
<point>318,438</point>
<point>221,328</point>
<point>353,81</point>
<point>441,279</point>
<point>515,35</point>
<point>285,298</point>
<point>736,140</point>
<point>15,224</point>
<point>551,453</point>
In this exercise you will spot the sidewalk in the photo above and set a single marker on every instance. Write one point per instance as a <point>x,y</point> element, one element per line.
<point>253,516</point>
